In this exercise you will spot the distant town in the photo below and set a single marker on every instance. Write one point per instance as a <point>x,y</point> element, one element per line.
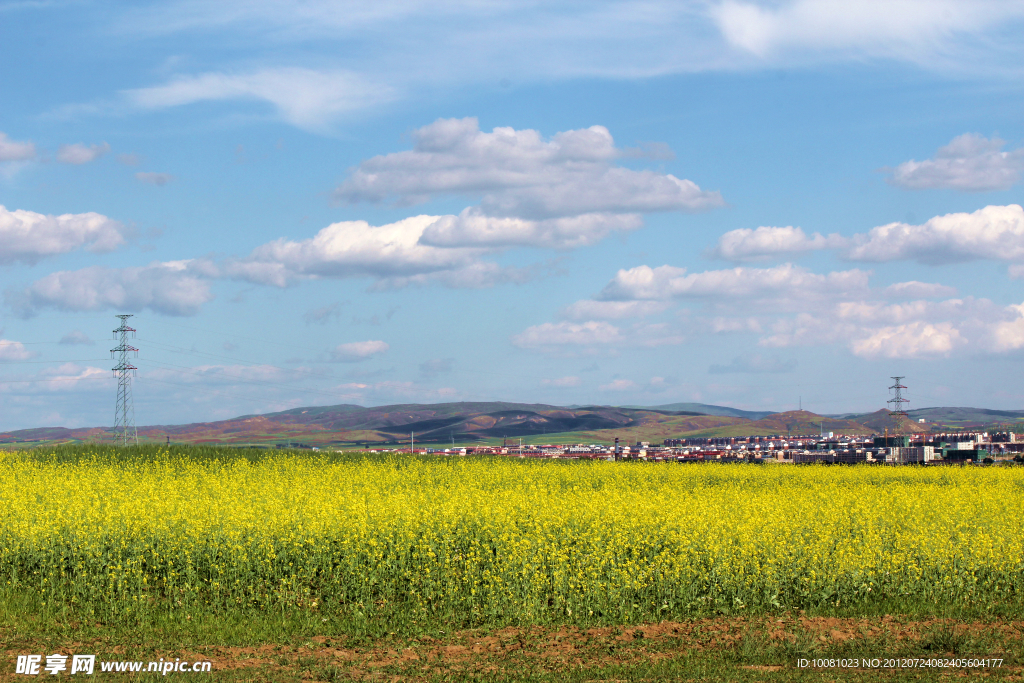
<point>936,449</point>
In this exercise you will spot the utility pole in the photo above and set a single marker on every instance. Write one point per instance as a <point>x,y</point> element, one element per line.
<point>124,410</point>
<point>897,401</point>
<point>412,443</point>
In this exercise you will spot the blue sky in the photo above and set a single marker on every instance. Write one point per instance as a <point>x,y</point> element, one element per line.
<point>307,203</point>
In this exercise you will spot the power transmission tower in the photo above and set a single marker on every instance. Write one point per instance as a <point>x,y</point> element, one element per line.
<point>124,411</point>
<point>897,413</point>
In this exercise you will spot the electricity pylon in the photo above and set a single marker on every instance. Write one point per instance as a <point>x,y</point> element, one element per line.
<point>897,400</point>
<point>124,411</point>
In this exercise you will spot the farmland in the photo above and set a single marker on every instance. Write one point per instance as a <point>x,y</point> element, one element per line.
<point>359,547</point>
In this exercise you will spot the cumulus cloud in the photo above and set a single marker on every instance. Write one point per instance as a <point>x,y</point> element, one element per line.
<point>754,364</point>
<point>563,192</point>
<point>354,352</point>
<point>521,174</point>
<point>356,249</point>
<point>472,228</point>
<point>76,337</point>
<point>562,382</point>
<point>81,154</point>
<point>971,163</point>
<point>28,236</point>
<point>13,351</point>
<point>305,98</point>
<point>767,242</point>
<point>913,340</point>
<point>11,150</point>
<point>780,283</point>
<point>912,329</point>
<point>994,232</point>
<point>176,288</point>
<point>158,179</point>
<point>1008,334</point>
<point>63,378</point>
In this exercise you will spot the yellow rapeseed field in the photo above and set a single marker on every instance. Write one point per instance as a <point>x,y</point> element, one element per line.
<point>508,540</point>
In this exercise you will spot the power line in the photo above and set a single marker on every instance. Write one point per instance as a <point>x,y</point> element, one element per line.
<point>37,362</point>
<point>54,379</point>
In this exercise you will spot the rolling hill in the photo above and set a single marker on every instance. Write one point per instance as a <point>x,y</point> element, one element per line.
<point>437,423</point>
<point>349,425</point>
<point>943,419</point>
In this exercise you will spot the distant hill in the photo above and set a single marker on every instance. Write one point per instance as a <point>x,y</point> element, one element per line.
<point>350,425</point>
<point>793,423</point>
<point>939,419</point>
<point>880,421</point>
<point>490,422</point>
<point>709,410</point>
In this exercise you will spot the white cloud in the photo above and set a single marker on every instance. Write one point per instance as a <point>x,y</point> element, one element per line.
<point>767,242</point>
<point>1008,335</point>
<point>588,309</point>
<point>562,382</point>
<point>920,31</point>
<point>521,174</point>
<point>76,337</point>
<point>913,340</point>
<point>358,249</point>
<point>306,98</point>
<point>13,351</point>
<point>913,329</point>
<point>69,377</point>
<point>472,228</point>
<point>81,154</point>
<point>15,151</point>
<point>158,179</point>
<point>970,162</point>
<point>754,364</point>
<point>994,232</point>
<point>358,351</point>
<point>1017,272</point>
<point>590,333</point>
<point>425,44</point>
<point>171,288</point>
<point>27,236</point>
<point>780,284</point>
